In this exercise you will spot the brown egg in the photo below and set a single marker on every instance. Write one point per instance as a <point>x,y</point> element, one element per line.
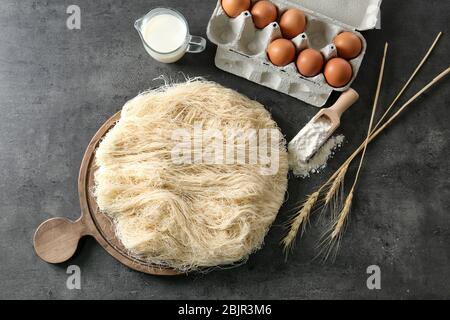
<point>310,62</point>
<point>281,52</point>
<point>338,72</point>
<point>264,13</point>
<point>233,8</point>
<point>348,45</point>
<point>292,23</point>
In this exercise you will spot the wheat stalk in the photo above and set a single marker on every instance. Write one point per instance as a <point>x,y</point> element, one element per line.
<point>305,212</point>
<point>340,173</point>
<point>339,179</point>
<point>411,78</point>
<point>341,218</point>
<point>331,239</point>
<point>297,221</point>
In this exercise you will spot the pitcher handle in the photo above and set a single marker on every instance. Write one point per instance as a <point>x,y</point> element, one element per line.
<point>196,44</point>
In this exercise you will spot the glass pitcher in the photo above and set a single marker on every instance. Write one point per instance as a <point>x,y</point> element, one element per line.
<point>152,39</point>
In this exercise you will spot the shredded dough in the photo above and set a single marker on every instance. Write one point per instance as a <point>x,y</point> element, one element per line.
<point>186,216</point>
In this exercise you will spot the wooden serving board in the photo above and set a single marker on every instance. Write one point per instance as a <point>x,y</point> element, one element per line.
<point>56,239</point>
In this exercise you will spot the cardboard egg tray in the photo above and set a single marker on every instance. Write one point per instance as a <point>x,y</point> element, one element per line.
<point>241,47</point>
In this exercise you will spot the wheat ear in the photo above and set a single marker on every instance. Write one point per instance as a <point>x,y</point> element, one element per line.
<point>336,185</point>
<point>343,216</point>
<point>299,220</point>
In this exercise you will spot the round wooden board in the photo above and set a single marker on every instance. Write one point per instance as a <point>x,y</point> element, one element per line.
<point>56,239</point>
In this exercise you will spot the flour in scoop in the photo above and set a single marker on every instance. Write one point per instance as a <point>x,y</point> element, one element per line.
<point>309,151</point>
<point>318,162</point>
<point>310,139</point>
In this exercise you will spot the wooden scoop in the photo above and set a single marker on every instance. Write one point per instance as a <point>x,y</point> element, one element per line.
<point>334,113</point>
<point>331,115</point>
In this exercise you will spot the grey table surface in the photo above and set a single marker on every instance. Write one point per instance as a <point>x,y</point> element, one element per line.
<point>57,86</point>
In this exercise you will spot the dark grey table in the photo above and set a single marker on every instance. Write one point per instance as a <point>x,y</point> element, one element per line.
<point>58,86</point>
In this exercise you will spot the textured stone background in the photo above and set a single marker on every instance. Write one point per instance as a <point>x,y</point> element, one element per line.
<point>58,86</point>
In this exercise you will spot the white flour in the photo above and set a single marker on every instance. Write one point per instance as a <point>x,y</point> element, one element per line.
<point>318,162</point>
<point>310,139</point>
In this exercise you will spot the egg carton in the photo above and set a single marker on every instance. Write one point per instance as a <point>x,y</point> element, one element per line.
<point>241,47</point>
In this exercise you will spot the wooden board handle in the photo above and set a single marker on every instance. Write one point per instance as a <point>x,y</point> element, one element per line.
<point>56,239</point>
